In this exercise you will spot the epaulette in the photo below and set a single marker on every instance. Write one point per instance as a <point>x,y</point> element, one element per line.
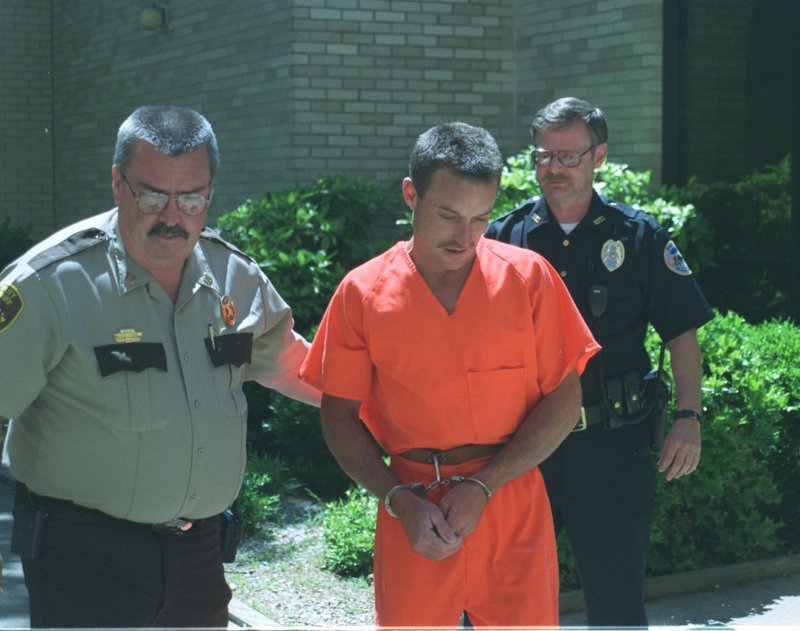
<point>71,245</point>
<point>210,235</point>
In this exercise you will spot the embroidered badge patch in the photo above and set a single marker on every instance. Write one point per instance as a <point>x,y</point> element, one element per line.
<point>228,310</point>
<point>127,336</point>
<point>11,305</point>
<point>612,254</point>
<point>674,260</point>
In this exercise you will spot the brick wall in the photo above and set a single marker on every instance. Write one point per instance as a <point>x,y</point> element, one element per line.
<point>608,52</point>
<point>296,88</point>
<point>26,116</point>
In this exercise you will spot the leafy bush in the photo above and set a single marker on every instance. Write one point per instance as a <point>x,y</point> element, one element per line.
<point>754,271</point>
<point>305,239</point>
<point>348,530</point>
<point>264,480</point>
<point>741,503</point>
<point>14,241</point>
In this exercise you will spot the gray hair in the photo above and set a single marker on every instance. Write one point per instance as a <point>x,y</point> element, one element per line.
<point>171,130</point>
<point>565,111</point>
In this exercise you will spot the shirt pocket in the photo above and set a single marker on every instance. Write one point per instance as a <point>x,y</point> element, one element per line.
<point>229,354</point>
<point>497,403</point>
<point>129,373</point>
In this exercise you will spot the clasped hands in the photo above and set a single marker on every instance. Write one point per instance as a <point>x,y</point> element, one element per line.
<point>437,532</point>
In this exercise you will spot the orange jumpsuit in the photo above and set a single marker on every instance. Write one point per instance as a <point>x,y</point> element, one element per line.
<point>435,380</point>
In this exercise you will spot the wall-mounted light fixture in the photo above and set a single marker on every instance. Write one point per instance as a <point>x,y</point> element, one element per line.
<point>154,16</point>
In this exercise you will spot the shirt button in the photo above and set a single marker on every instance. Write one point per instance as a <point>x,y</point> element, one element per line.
<point>201,452</point>
<point>186,356</point>
<point>192,498</point>
<point>563,274</point>
<point>197,403</point>
<point>565,242</point>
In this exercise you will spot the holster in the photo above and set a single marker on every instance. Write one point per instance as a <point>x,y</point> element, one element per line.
<point>28,531</point>
<point>232,531</point>
<point>630,400</point>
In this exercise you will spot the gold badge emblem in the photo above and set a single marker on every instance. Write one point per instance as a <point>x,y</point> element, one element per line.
<point>11,305</point>
<point>228,310</point>
<point>127,336</point>
<point>612,254</point>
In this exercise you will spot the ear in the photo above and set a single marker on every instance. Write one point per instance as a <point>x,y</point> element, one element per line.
<point>600,152</point>
<point>116,184</point>
<point>410,193</point>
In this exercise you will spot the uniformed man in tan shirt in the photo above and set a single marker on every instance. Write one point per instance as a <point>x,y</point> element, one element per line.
<point>125,340</point>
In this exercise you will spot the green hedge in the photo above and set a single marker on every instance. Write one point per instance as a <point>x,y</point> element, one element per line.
<point>754,259</point>
<point>305,239</point>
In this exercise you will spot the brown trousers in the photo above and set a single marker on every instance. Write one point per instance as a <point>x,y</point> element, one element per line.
<point>97,571</point>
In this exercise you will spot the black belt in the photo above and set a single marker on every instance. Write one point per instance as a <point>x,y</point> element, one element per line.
<point>176,526</point>
<point>592,415</point>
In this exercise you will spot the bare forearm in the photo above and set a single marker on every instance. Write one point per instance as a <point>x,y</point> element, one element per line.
<point>685,358</point>
<point>545,427</point>
<point>352,447</point>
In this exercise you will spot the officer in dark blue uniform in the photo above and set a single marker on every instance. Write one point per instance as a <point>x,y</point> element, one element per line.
<point>623,271</point>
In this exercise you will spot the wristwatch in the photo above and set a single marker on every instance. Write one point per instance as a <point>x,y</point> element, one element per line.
<point>686,414</point>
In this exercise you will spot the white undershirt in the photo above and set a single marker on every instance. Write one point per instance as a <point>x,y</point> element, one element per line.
<point>568,227</point>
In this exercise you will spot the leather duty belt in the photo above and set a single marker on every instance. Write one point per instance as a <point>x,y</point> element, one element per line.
<point>590,416</point>
<point>456,455</point>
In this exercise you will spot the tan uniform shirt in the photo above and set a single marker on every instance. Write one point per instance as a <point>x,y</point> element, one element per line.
<point>122,401</point>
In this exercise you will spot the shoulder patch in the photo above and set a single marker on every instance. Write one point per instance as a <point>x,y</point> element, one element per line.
<point>11,305</point>
<point>674,260</point>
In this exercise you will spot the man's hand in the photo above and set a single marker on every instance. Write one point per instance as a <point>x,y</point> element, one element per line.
<point>426,526</point>
<point>681,451</point>
<point>463,506</point>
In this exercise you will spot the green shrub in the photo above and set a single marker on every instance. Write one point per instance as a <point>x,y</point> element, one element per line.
<point>14,241</point>
<point>305,239</point>
<point>349,533</point>
<point>754,266</point>
<point>265,478</point>
<point>308,237</point>
<point>741,503</point>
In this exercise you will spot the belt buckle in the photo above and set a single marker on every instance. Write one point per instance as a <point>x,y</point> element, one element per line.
<point>581,425</point>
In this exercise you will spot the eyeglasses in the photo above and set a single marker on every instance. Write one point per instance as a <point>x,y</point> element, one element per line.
<point>570,159</point>
<point>152,203</point>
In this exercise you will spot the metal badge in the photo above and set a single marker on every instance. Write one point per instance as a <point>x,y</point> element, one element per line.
<point>675,261</point>
<point>228,310</point>
<point>612,254</point>
<point>127,336</point>
<point>11,305</point>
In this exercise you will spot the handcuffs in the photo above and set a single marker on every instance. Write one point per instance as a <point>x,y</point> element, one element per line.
<point>421,490</point>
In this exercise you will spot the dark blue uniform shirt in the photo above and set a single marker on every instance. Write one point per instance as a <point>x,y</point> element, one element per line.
<point>625,254</point>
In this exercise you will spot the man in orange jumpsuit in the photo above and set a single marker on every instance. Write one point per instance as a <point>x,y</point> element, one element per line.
<point>461,356</point>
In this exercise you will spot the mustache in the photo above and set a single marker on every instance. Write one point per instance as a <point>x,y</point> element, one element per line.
<point>168,231</point>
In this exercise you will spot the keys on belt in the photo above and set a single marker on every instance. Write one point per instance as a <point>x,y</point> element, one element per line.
<point>175,526</point>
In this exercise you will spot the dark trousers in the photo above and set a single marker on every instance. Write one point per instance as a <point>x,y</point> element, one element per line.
<point>97,571</point>
<point>601,487</point>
